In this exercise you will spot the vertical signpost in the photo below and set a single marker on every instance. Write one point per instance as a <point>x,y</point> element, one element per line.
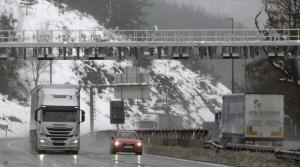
<point>132,84</point>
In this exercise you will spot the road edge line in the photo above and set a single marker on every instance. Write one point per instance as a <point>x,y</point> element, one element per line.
<point>186,160</point>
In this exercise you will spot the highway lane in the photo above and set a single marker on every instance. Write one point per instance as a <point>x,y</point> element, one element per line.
<point>94,153</point>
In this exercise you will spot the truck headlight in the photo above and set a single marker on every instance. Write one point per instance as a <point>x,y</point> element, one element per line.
<point>75,141</point>
<point>42,141</point>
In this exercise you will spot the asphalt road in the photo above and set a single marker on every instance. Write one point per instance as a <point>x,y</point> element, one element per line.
<point>94,153</point>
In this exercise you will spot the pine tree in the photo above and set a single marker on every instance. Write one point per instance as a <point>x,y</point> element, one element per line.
<point>127,13</point>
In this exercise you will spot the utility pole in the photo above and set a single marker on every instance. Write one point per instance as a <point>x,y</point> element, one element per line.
<point>92,110</point>
<point>51,72</point>
<point>27,4</point>
<point>232,60</point>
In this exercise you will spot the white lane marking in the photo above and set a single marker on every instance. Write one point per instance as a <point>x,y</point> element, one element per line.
<point>10,145</point>
<point>184,160</point>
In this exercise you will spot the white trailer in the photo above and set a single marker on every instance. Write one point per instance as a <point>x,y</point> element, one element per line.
<point>252,119</point>
<point>160,121</point>
<point>55,118</point>
<point>232,118</point>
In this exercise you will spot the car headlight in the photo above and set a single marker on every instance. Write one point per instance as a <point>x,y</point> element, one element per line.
<point>117,143</point>
<point>42,141</point>
<point>139,144</point>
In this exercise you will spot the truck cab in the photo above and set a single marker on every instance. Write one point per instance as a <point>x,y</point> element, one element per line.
<point>55,118</point>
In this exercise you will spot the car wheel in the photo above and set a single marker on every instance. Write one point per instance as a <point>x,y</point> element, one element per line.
<point>113,151</point>
<point>139,153</point>
<point>40,151</point>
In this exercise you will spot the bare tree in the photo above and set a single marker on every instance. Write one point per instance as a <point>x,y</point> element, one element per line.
<point>38,67</point>
<point>281,14</point>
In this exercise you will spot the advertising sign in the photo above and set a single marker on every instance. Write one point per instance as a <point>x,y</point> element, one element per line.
<point>264,116</point>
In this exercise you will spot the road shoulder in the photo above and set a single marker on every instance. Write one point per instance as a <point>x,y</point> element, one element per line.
<point>225,157</point>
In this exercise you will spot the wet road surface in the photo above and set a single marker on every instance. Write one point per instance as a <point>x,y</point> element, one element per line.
<point>94,153</point>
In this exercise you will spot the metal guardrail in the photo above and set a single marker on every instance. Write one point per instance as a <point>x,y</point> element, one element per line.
<point>246,147</point>
<point>148,36</point>
<point>200,135</point>
<point>293,155</point>
<point>193,134</point>
<point>213,144</point>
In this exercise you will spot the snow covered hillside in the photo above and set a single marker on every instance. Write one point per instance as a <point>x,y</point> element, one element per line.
<point>46,15</point>
<point>189,93</point>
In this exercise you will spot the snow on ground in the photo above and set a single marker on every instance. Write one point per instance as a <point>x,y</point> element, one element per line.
<point>204,97</point>
<point>15,115</point>
<point>45,15</point>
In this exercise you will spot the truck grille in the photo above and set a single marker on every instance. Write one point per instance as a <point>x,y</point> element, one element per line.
<point>59,131</point>
<point>59,144</point>
<point>58,139</point>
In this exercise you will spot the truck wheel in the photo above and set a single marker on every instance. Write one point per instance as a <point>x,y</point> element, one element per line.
<point>75,152</point>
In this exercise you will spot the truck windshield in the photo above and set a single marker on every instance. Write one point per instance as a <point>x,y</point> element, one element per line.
<point>59,116</point>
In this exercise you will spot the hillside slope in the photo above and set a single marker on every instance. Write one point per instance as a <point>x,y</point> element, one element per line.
<point>187,93</point>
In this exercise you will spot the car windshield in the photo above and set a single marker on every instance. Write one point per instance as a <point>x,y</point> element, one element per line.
<point>59,116</point>
<point>127,135</point>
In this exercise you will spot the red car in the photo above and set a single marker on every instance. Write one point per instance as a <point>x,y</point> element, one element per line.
<point>126,141</point>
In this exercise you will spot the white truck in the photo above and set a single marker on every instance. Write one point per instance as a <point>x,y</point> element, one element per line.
<point>55,118</point>
<point>160,121</point>
<point>252,119</point>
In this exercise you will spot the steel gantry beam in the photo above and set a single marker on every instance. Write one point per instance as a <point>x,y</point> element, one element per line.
<point>153,44</point>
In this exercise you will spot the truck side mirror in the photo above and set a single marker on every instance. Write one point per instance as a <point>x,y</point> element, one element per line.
<point>82,115</point>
